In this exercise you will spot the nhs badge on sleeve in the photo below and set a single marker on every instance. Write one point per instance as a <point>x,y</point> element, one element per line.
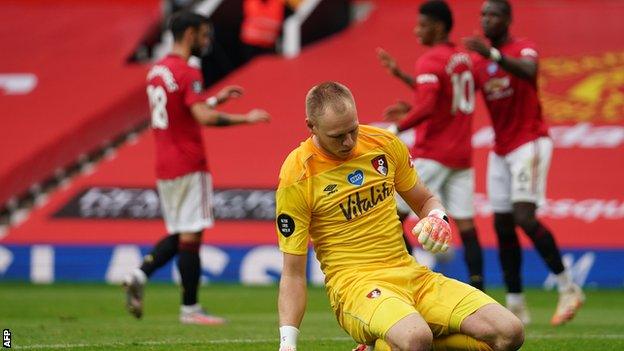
<point>356,177</point>
<point>197,87</point>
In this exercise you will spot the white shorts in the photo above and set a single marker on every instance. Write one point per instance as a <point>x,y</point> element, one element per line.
<point>186,202</point>
<point>519,176</point>
<point>454,187</point>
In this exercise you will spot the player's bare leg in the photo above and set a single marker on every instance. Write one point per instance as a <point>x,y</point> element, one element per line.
<point>571,296</point>
<point>495,326</point>
<point>410,333</point>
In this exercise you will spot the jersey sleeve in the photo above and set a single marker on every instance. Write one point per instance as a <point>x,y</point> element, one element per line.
<point>426,92</point>
<point>427,76</point>
<point>193,88</point>
<point>405,176</point>
<point>527,50</point>
<point>293,214</point>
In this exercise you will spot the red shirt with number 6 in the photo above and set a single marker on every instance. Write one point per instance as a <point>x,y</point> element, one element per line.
<point>513,102</point>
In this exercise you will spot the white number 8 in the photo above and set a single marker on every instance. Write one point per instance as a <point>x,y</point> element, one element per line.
<point>158,103</point>
<point>463,92</point>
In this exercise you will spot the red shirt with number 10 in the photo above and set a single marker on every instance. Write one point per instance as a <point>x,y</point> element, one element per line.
<point>444,104</point>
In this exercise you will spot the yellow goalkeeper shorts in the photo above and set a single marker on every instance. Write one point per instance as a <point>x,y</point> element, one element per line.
<point>379,301</point>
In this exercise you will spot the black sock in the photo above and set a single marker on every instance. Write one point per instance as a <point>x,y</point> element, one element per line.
<point>164,250</point>
<point>544,243</point>
<point>190,268</point>
<point>509,252</point>
<point>473,256</point>
<point>408,246</point>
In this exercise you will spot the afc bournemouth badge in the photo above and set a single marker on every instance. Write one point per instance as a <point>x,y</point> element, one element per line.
<point>374,294</point>
<point>380,165</point>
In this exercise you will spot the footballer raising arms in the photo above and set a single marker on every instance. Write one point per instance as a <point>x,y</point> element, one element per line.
<point>337,190</point>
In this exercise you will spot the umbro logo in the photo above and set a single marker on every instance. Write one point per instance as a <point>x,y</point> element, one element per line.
<point>330,189</point>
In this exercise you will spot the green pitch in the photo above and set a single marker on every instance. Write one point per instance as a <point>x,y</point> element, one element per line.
<point>92,317</point>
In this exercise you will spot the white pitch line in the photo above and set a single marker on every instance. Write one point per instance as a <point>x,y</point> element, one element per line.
<point>575,336</point>
<point>252,341</point>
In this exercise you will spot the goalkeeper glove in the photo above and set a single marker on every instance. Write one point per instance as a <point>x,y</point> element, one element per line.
<point>433,232</point>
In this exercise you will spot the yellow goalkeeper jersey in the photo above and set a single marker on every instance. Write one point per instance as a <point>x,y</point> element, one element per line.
<point>346,208</point>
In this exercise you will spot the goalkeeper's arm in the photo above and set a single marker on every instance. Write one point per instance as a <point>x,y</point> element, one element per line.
<point>292,300</point>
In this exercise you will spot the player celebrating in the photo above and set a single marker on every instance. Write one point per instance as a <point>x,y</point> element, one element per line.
<point>517,168</point>
<point>337,190</point>
<point>179,108</point>
<point>444,104</point>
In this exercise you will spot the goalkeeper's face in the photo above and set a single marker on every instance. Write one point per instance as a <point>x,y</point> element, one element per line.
<point>336,133</point>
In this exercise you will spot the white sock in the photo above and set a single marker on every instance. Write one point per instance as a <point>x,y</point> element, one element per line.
<point>186,309</point>
<point>139,275</point>
<point>564,281</point>
<point>288,337</point>
<point>514,299</point>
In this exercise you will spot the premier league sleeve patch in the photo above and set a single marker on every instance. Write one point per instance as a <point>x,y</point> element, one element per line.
<point>196,86</point>
<point>285,225</point>
<point>380,165</point>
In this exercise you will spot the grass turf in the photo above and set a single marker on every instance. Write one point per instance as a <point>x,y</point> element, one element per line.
<point>92,317</point>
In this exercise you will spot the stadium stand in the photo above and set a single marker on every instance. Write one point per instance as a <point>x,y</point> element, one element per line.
<point>85,93</point>
<point>581,63</point>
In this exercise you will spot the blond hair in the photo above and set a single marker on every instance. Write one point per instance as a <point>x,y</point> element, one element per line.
<point>328,95</point>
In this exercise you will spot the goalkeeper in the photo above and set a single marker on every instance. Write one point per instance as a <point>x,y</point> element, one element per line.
<point>337,190</point>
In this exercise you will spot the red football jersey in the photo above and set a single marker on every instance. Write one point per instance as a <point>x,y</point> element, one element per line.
<point>172,87</point>
<point>513,102</point>
<point>444,104</point>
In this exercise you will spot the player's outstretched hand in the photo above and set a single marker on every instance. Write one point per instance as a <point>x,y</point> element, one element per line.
<point>477,44</point>
<point>396,112</point>
<point>257,115</point>
<point>387,61</point>
<point>433,232</point>
<point>229,92</point>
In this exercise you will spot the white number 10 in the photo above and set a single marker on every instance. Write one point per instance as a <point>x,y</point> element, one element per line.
<point>158,103</point>
<point>463,92</point>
